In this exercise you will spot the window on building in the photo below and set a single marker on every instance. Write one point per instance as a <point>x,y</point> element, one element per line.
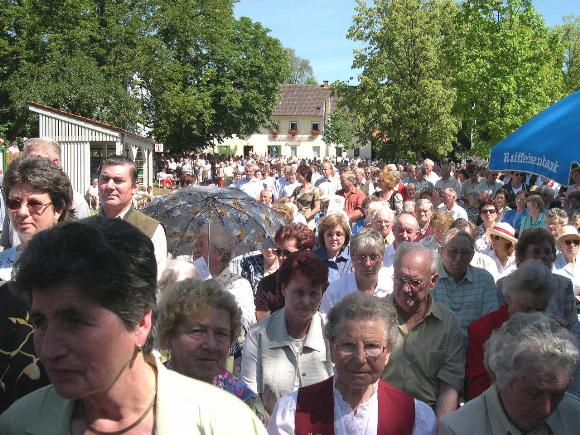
<point>315,126</point>
<point>294,125</point>
<point>293,151</point>
<point>316,151</point>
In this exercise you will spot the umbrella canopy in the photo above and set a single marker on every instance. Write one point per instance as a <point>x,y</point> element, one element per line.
<point>546,145</point>
<point>249,225</point>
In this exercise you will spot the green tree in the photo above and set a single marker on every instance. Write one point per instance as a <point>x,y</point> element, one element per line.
<point>507,68</point>
<point>76,55</point>
<point>569,34</point>
<point>213,75</point>
<point>185,68</point>
<point>300,69</point>
<point>404,100</point>
<point>342,129</point>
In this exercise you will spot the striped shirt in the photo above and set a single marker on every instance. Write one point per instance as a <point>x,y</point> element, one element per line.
<point>471,298</point>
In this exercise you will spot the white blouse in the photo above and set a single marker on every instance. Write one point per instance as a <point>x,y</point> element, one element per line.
<point>363,421</point>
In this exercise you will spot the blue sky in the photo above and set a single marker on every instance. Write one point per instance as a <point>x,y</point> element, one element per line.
<point>316,29</point>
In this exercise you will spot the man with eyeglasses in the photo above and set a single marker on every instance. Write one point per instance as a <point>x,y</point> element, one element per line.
<point>428,359</point>
<point>366,251</point>
<point>468,291</point>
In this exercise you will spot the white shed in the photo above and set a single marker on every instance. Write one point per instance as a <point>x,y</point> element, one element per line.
<point>86,142</point>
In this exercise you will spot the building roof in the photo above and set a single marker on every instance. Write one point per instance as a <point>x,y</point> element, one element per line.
<point>89,121</point>
<point>303,100</point>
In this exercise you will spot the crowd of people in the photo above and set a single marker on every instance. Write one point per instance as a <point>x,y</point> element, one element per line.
<point>408,298</point>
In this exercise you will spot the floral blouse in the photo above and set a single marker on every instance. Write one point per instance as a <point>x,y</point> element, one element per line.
<point>232,384</point>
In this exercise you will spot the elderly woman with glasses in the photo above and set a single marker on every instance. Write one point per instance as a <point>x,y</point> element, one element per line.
<point>567,261</point>
<point>362,331</point>
<point>38,195</point>
<point>197,322</point>
<point>367,250</point>
<point>489,217</point>
<point>287,350</point>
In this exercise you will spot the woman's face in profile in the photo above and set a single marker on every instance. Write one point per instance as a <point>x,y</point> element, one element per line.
<point>83,346</point>
<point>201,345</point>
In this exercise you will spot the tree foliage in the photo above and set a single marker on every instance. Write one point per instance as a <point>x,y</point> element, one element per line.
<point>569,35</point>
<point>507,68</point>
<point>404,100</point>
<point>185,68</point>
<point>300,69</point>
<point>342,129</point>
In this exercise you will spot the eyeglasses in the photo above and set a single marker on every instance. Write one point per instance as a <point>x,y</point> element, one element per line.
<point>494,237</point>
<point>371,350</point>
<point>364,258</point>
<point>571,242</point>
<point>413,284</point>
<point>33,205</point>
<point>383,223</point>
<point>488,211</point>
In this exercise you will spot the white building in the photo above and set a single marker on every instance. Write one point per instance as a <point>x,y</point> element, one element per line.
<point>85,143</point>
<point>301,117</point>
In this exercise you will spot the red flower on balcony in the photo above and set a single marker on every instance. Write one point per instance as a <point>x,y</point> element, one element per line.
<point>293,132</point>
<point>275,133</point>
<point>315,133</point>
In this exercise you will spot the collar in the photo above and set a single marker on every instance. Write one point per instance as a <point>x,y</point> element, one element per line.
<point>468,274</point>
<point>280,337</point>
<point>343,255</point>
<point>123,214</point>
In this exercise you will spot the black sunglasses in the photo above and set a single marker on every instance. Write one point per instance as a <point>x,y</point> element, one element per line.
<point>571,242</point>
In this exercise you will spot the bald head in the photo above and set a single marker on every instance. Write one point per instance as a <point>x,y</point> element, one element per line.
<point>405,228</point>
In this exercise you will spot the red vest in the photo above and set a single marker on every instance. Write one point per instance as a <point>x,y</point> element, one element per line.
<point>315,410</point>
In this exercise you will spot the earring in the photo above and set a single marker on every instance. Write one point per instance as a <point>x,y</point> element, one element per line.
<point>139,348</point>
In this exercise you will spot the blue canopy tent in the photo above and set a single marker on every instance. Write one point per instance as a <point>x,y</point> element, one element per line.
<point>546,145</point>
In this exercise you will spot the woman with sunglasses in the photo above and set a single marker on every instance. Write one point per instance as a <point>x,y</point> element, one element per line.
<point>503,244</point>
<point>488,214</point>
<point>568,260</point>
<point>38,195</point>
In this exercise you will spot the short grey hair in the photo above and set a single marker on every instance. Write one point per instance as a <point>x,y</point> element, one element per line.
<point>407,247</point>
<point>529,341</point>
<point>559,213</point>
<point>362,306</point>
<point>50,147</point>
<point>532,277</point>
<point>408,207</point>
<point>176,270</point>
<point>367,239</point>
<point>456,232</point>
<point>424,201</point>
<point>376,206</point>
